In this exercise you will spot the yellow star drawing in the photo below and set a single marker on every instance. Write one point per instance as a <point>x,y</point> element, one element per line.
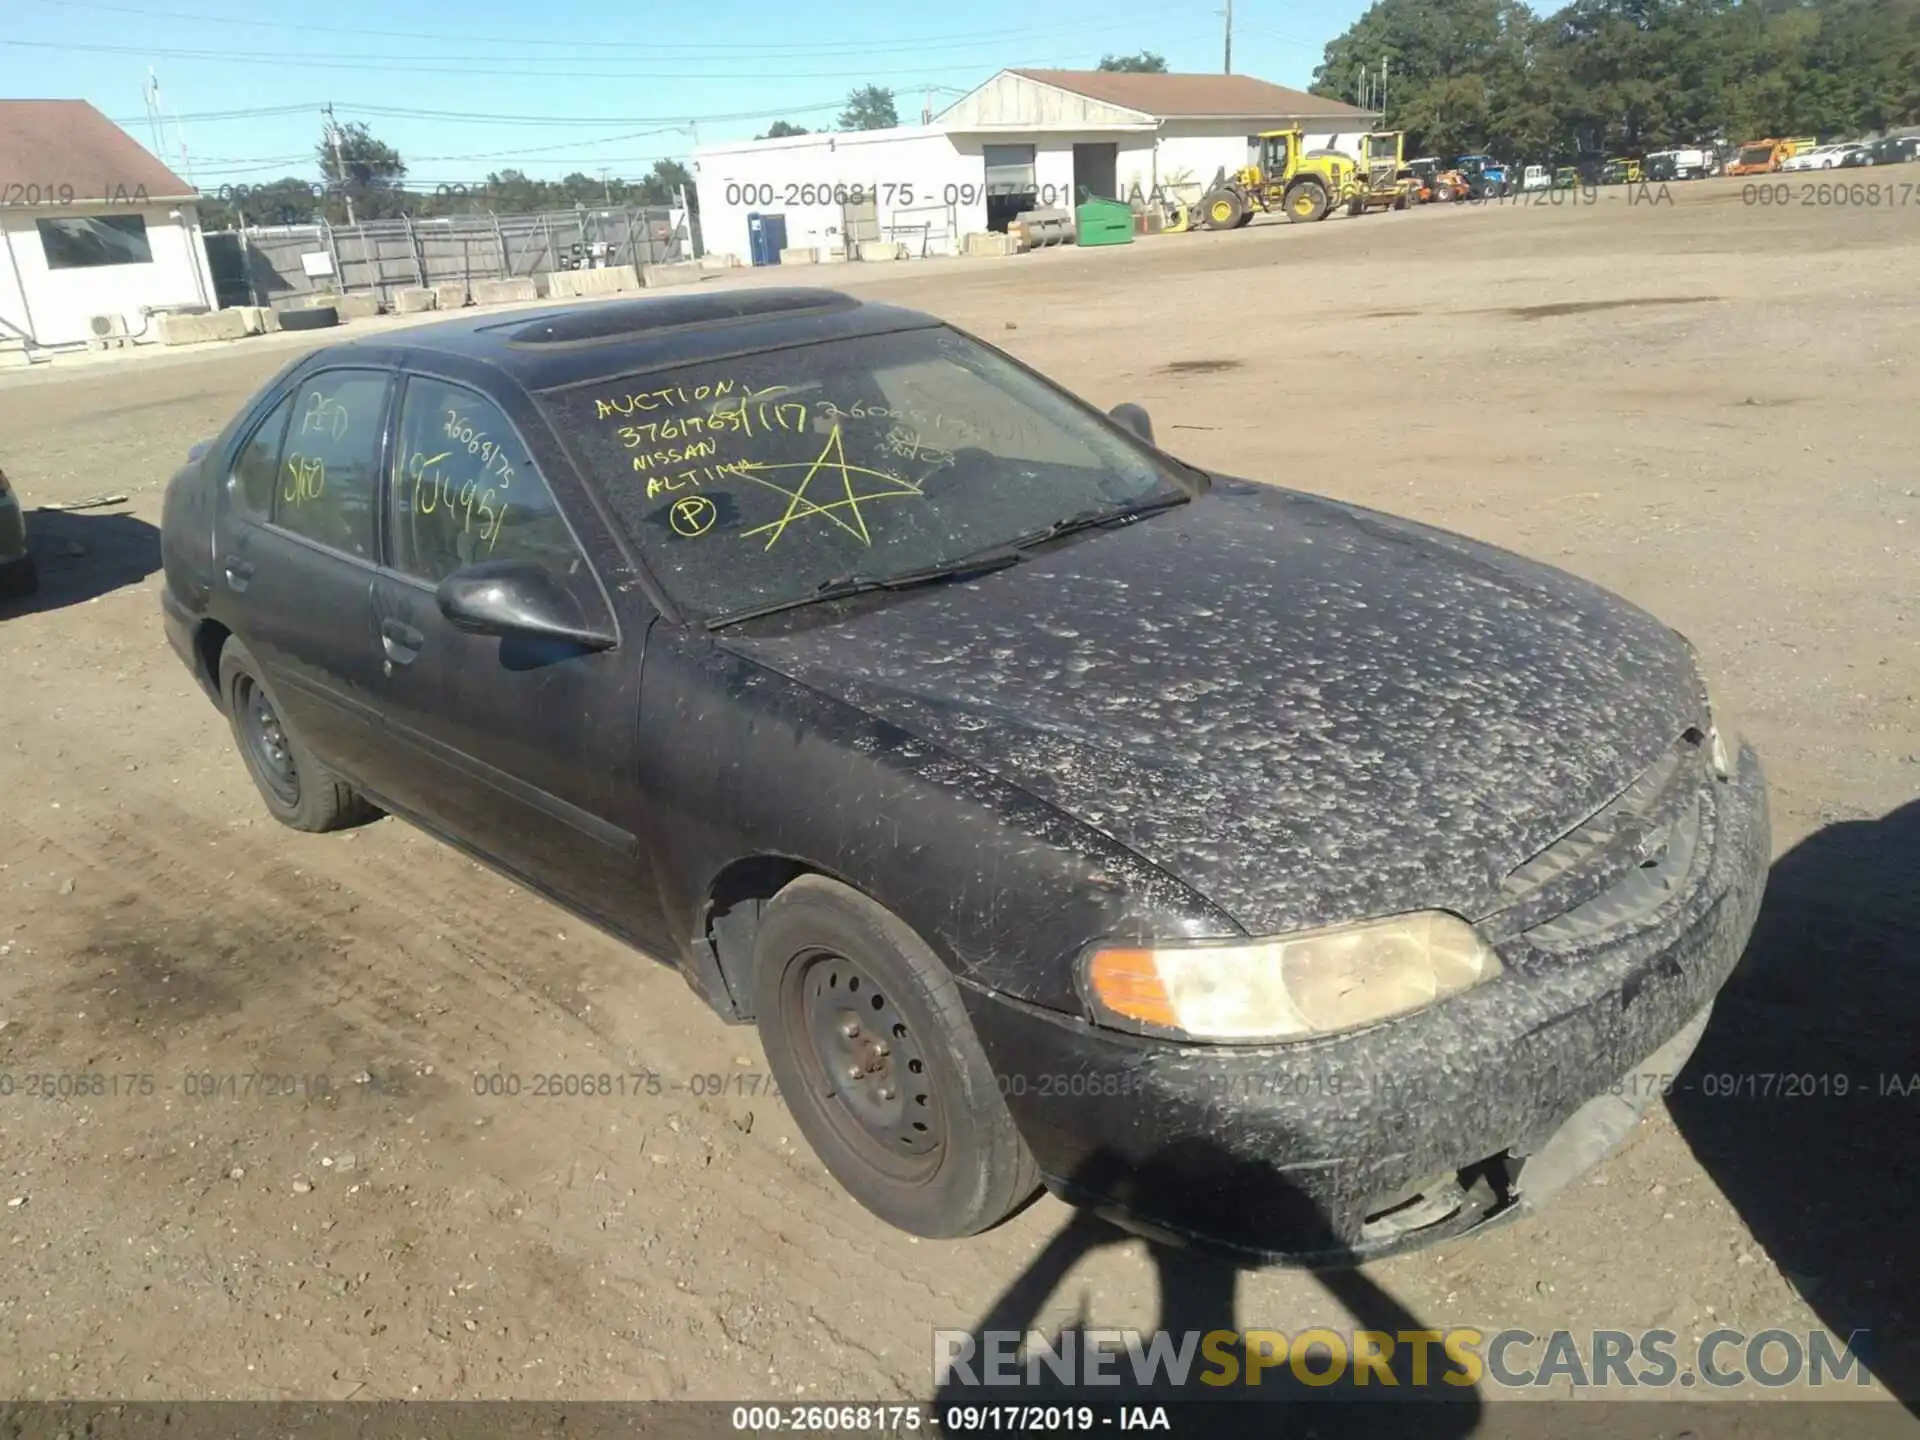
<point>833,460</point>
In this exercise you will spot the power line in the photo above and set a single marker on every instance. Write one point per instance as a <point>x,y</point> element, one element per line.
<point>466,65</point>
<point>718,49</point>
<point>476,117</point>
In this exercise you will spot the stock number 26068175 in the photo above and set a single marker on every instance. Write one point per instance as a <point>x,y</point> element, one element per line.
<point>903,194</point>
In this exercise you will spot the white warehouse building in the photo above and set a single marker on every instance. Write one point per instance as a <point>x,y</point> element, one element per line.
<point>95,233</point>
<point>1026,139</point>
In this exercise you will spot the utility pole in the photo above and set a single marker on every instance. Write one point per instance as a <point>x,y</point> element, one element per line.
<point>606,195</point>
<point>339,163</point>
<point>150,92</point>
<point>1383,92</point>
<point>1226,63</point>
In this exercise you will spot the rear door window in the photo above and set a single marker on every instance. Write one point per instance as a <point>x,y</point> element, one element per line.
<point>465,490</point>
<point>328,477</point>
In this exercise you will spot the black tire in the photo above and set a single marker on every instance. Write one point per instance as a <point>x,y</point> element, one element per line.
<point>1442,194</point>
<point>1402,201</point>
<point>1356,208</point>
<point>299,791</point>
<point>20,579</point>
<point>1223,210</point>
<point>320,317</point>
<point>1307,202</point>
<point>921,1136</point>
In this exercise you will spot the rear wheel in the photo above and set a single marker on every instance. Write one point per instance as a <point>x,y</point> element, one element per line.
<point>866,1034</point>
<point>1356,208</point>
<point>1307,201</point>
<point>299,791</point>
<point>1443,193</point>
<point>1223,210</point>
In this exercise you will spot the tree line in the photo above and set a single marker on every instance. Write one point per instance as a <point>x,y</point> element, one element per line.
<point>361,177</point>
<point>1624,77</point>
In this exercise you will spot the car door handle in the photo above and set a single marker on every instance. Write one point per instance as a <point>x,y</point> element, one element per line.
<point>239,572</point>
<point>402,642</point>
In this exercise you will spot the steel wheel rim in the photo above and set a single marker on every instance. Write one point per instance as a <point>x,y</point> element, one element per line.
<point>268,748</point>
<point>889,1113</point>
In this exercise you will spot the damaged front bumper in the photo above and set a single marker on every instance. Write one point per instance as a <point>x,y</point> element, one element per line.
<point>1326,1153</point>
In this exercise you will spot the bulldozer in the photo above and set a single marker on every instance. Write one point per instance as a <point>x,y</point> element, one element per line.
<point>1385,182</point>
<point>1302,187</point>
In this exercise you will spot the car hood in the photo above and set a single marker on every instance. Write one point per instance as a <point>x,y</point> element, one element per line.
<point>1305,711</point>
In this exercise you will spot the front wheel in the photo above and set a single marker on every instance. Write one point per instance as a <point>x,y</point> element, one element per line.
<point>1222,210</point>
<point>865,1031</point>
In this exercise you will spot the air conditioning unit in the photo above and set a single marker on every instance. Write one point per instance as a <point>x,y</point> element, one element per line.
<point>107,327</point>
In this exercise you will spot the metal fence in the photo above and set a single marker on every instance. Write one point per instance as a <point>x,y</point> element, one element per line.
<point>266,265</point>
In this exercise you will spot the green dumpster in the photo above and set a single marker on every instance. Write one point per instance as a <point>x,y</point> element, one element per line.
<point>1103,222</point>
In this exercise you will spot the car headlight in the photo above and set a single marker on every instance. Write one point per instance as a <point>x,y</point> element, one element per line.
<point>1723,740</point>
<point>1289,987</point>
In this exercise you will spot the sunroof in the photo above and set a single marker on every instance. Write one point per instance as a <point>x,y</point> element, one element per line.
<point>632,317</point>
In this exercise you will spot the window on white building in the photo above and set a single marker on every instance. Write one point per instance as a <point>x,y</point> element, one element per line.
<point>76,242</point>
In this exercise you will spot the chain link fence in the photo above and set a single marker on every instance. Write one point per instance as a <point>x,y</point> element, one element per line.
<point>280,264</point>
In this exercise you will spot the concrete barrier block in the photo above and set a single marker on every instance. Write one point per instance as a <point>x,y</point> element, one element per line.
<point>361,305</point>
<point>608,280</point>
<point>452,295</point>
<point>720,261</point>
<point>414,300</point>
<point>658,277</point>
<point>987,242</point>
<point>258,319</point>
<point>879,250</point>
<point>197,329</point>
<point>505,292</point>
<point>800,255</point>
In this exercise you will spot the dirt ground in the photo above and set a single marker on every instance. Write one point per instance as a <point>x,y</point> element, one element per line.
<point>1710,406</point>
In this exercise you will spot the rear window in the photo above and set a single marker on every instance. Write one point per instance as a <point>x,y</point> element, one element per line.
<point>759,480</point>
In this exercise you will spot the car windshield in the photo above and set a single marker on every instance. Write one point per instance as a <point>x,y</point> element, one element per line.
<point>1756,154</point>
<point>767,479</point>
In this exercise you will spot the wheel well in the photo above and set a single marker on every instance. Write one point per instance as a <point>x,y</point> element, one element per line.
<point>208,641</point>
<point>734,903</point>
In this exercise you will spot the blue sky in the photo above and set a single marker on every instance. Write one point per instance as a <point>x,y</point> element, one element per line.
<point>463,87</point>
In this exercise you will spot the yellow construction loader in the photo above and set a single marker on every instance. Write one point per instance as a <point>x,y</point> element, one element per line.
<point>1385,181</point>
<point>1300,186</point>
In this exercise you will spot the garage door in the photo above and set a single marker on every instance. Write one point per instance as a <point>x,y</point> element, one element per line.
<point>1010,170</point>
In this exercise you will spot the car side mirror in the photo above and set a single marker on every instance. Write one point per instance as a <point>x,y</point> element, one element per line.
<point>1134,418</point>
<point>517,599</point>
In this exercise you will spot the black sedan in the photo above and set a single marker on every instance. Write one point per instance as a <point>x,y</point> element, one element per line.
<point>1281,877</point>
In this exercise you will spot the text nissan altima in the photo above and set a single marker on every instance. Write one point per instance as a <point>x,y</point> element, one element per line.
<point>1279,876</point>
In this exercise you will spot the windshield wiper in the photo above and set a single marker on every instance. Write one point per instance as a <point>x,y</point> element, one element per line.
<point>1101,515</point>
<point>841,586</point>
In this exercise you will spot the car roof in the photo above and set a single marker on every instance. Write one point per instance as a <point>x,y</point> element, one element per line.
<point>578,343</point>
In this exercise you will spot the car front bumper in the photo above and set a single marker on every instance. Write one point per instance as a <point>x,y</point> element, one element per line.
<point>1326,1153</point>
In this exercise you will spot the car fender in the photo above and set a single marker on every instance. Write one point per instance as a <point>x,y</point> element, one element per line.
<point>743,762</point>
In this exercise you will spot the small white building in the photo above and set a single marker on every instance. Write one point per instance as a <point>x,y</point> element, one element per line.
<point>91,225</point>
<point>1025,140</point>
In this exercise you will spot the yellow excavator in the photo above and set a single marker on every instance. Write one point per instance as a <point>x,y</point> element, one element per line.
<point>1300,186</point>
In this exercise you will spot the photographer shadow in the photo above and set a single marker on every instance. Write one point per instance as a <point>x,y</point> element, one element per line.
<point>1803,1099</point>
<point>1197,1297</point>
